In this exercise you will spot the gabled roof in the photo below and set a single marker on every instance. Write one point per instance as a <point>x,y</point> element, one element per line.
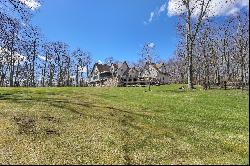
<point>159,65</point>
<point>101,68</point>
<point>132,70</point>
<point>156,68</point>
<point>119,65</point>
<point>115,65</point>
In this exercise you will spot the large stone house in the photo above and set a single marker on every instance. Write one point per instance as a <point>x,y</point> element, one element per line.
<point>156,73</point>
<point>121,75</point>
<point>118,70</point>
<point>99,74</point>
<point>131,76</point>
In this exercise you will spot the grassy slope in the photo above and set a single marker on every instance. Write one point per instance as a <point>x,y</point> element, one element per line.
<point>123,126</point>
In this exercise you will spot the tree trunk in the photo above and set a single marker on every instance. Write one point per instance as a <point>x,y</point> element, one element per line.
<point>12,63</point>
<point>17,71</point>
<point>242,71</point>
<point>190,71</point>
<point>149,86</point>
<point>12,70</point>
<point>77,75</point>
<point>33,64</point>
<point>51,75</point>
<point>189,45</point>
<point>44,72</point>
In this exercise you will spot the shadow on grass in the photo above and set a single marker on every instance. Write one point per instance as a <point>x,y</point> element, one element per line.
<point>61,103</point>
<point>125,118</point>
<point>175,91</point>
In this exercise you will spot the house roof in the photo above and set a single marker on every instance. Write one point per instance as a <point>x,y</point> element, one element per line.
<point>159,65</point>
<point>115,65</point>
<point>103,68</point>
<point>156,66</point>
<point>119,65</point>
<point>132,70</point>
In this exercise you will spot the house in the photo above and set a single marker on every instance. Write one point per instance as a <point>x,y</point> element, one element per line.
<point>156,72</point>
<point>161,67</point>
<point>121,75</point>
<point>131,76</point>
<point>118,70</point>
<point>99,74</point>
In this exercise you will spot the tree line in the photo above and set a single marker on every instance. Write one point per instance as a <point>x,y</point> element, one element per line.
<point>209,52</point>
<point>26,59</point>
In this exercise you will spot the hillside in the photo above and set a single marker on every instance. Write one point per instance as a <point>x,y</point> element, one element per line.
<point>123,126</point>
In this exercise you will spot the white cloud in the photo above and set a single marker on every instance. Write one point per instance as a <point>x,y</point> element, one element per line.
<point>156,13</point>
<point>17,57</point>
<point>175,7</point>
<point>152,14</point>
<point>32,4</point>
<point>162,8</point>
<point>233,11</point>
<point>216,7</point>
<point>42,57</point>
<point>151,45</point>
<point>244,3</point>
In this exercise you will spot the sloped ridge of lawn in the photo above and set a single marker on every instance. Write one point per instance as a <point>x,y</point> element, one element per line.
<point>123,126</point>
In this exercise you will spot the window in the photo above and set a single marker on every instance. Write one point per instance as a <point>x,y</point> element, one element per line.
<point>107,74</point>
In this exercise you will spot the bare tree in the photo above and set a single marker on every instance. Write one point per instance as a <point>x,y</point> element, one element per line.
<point>12,49</point>
<point>241,40</point>
<point>33,38</point>
<point>147,58</point>
<point>220,51</point>
<point>82,61</point>
<point>21,10</point>
<point>109,60</point>
<point>193,23</point>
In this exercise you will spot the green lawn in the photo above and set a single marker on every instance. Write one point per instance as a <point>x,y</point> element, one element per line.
<point>123,126</point>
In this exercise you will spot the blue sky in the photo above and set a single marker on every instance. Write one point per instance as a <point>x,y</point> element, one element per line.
<point>118,28</point>
<point>107,27</point>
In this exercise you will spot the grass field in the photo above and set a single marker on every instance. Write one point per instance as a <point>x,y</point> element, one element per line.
<point>123,126</point>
